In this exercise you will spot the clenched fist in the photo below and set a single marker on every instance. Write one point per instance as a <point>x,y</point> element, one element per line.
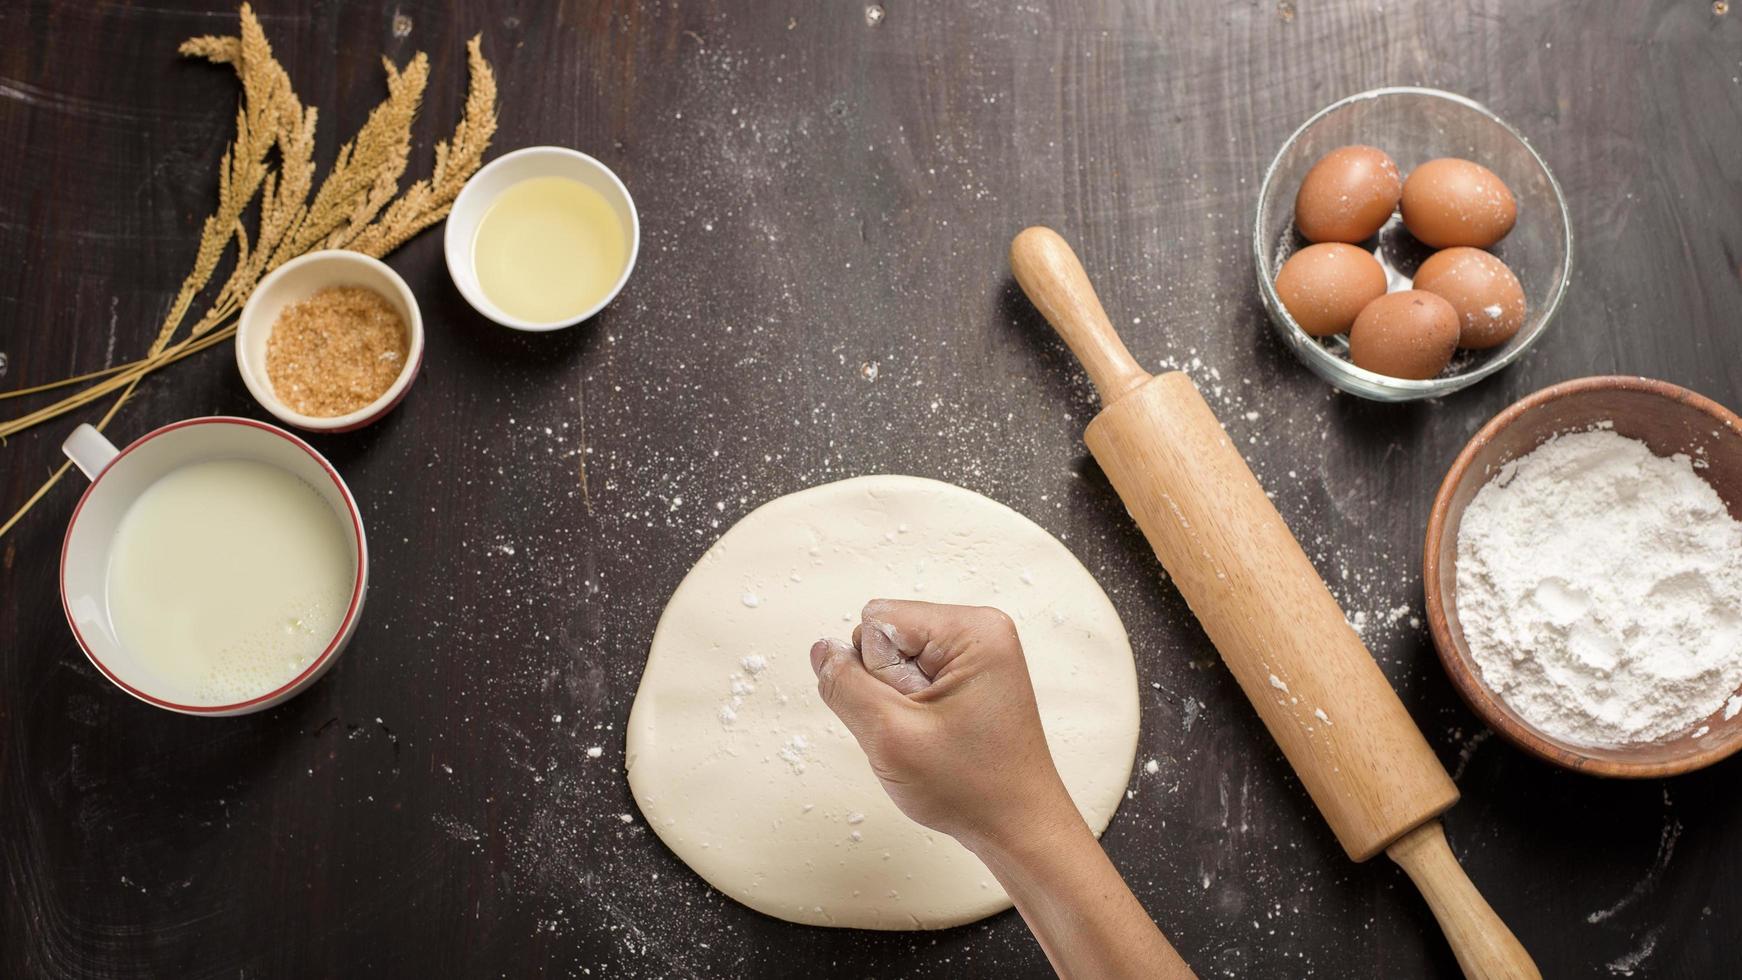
<point>939,698</point>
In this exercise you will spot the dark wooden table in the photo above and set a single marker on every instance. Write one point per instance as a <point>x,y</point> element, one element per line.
<point>818,192</point>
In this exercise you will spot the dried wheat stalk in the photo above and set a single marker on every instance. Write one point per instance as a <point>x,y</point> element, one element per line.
<point>358,205</point>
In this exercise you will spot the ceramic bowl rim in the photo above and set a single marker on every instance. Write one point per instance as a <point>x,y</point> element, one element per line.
<point>453,248</point>
<point>254,376</point>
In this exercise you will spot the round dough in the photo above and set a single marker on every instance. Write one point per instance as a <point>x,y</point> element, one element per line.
<point>743,771</point>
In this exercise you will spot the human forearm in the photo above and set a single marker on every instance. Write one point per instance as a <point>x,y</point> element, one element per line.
<point>1077,905</point>
<point>939,698</point>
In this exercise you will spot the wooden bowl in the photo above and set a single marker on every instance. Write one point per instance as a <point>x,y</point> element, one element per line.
<point>1669,420</point>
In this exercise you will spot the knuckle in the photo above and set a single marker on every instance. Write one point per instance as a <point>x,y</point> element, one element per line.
<point>994,621</point>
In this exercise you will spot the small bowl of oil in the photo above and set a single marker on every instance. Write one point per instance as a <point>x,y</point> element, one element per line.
<point>542,238</point>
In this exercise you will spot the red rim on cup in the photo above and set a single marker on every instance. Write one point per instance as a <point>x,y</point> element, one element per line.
<point>117,479</point>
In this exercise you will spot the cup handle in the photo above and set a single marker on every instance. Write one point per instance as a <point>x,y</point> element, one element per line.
<point>89,450</point>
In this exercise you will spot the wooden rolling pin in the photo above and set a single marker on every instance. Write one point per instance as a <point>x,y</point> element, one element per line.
<point>1262,603</point>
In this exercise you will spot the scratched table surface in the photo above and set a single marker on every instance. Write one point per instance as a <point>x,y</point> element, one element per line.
<point>826,198</point>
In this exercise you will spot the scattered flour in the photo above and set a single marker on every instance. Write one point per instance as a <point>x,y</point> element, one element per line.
<point>794,753</point>
<point>1600,590</point>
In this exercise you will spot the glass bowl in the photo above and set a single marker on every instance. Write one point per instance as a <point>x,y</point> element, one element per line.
<point>1415,125</point>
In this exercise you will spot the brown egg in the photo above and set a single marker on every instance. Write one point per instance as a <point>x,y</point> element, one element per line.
<point>1487,296</point>
<point>1347,195</point>
<point>1409,334</point>
<point>1325,286</point>
<point>1449,202</point>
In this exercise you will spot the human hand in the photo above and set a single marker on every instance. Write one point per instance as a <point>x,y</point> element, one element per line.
<point>939,699</point>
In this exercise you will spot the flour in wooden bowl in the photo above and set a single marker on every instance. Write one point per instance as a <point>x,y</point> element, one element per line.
<point>1600,590</point>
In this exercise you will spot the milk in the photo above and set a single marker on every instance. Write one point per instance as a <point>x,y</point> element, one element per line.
<point>227,579</point>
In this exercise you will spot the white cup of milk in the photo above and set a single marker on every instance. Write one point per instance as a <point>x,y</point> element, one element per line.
<point>215,566</point>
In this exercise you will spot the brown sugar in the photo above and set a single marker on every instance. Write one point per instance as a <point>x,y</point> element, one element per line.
<point>336,351</point>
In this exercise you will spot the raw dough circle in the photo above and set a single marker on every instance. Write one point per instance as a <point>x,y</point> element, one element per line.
<point>743,771</point>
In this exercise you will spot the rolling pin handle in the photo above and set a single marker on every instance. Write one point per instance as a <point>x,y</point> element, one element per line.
<point>1055,282</point>
<point>1485,948</point>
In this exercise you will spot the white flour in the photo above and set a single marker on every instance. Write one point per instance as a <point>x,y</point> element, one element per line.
<point>1600,590</point>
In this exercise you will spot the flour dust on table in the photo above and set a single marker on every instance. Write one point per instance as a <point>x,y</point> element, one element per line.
<point>742,770</point>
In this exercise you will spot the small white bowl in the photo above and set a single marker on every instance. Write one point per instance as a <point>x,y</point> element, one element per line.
<point>504,172</point>
<point>297,280</point>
